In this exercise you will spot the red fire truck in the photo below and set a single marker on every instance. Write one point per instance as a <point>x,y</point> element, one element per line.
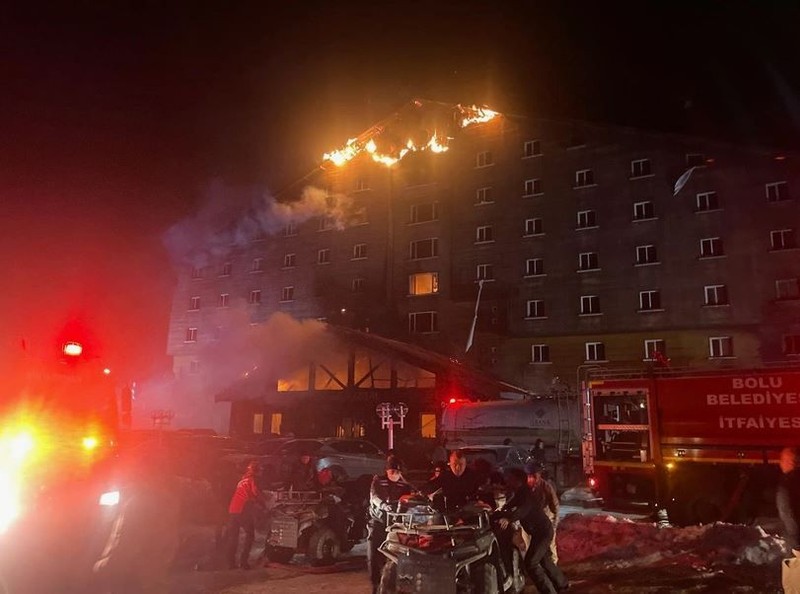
<point>700,444</point>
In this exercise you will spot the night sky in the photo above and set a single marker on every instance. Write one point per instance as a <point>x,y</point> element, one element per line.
<point>115,118</point>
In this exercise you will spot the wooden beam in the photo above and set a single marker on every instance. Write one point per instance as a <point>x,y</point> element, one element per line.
<point>332,375</point>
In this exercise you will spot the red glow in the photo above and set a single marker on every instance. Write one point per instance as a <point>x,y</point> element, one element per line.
<point>780,157</point>
<point>592,482</point>
<point>710,160</point>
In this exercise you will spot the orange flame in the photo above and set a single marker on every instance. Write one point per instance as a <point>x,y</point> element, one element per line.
<point>476,115</point>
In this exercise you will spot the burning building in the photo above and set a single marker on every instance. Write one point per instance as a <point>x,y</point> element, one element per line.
<point>522,249</point>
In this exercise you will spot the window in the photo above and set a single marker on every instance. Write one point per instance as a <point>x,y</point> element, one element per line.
<point>783,239</point>
<point>534,267</point>
<point>711,247</point>
<point>484,272</point>
<point>641,168</point>
<point>191,335</point>
<point>588,261</point>
<point>595,351</point>
<point>576,141</point>
<point>289,260</point>
<point>584,178</point>
<point>226,269</point>
<point>255,297</point>
<point>217,333</point>
<point>260,235</point>
<point>532,148</point>
<point>325,224</point>
<point>777,191</point>
<point>483,196</point>
<point>707,201</point>
<point>290,230</point>
<point>484,234</point>
<point>533,227</point>
<point>587,219</point>
<point>194,367</point>
<point>359,216</point>
<point>787,288</point>
<point>275,421</point>
<point>424,248</point>
<point>359,251</point>
<point>695,160</point>
<point>194,303</point>
<point>423,283</point>
<point>649,300</point>
<point>258,423</point>
<point>424,322</point>
<point>720,346</point>
<point>535,309</point>
<point>257,265</point>
<point>362,183</point>
<point>484,159</point>
<point>324,256</point>
<point>287,294</point>
<point>791,344</point>
<point>532,187</point>
<point>422,213</point>
<point>427,425</point>
<point>357,286</point>
<point>197,272</point>
<point>716,295</point>
<point>590,305</point>
<point>646,254</point>
<point>224,300</point>
<point>540,353</point>
<point>643,211</point>
<point>655,349</point>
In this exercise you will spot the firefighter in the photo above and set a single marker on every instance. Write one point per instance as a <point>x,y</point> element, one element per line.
<point>384,494</point>
<point>241,515</point>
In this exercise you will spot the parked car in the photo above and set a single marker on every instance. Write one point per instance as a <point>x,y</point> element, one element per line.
<point>501,457</point>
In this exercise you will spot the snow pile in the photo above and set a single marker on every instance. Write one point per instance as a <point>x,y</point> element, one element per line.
<point>618,542</point>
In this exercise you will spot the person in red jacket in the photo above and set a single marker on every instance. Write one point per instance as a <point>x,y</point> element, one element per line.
<point>241,514</point>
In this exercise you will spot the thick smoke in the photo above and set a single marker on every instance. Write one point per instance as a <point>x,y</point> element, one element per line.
<point>233,217</point>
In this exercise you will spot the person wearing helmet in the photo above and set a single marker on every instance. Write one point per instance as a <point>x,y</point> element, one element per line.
<point>241,515</point>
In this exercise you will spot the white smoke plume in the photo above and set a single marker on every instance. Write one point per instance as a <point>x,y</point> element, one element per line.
<point>233,217</point>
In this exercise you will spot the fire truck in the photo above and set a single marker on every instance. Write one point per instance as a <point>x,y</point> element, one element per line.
<point>59,488</point>
<point>700,444</point>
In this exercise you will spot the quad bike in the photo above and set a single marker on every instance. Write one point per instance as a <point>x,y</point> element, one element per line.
<point>447,553</point>
<point>318,525</point>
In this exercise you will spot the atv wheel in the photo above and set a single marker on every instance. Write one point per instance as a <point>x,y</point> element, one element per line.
<point>279,554</point>
<point>323,547</point>
<point>518,583</point>
<point>388,583</point>
<point>484,577</point>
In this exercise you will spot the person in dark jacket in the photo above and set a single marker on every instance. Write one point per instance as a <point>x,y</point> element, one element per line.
<point>384,493</point>
<point>787,497</point>
<point>241,515</point>
<point>524,508</point>
<point>458,486</point>
<point>303,474</point>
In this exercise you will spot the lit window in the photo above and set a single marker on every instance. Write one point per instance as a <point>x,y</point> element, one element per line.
<point>258,423</point>
<point>595,351</point>
<point>649,300</point>
<point>641,168</point>
<point>484,159</point>
<point>191,335</point>
<point>532,148</point>
<point>427,425</point>
<point>584,178</point>
<point>707,201</point>
<point>483,196</point>
<point>223,300</point>
<point>643,211</point>
<point>287,294</point>
<point>424,248</point>
<point>226,269</point>
<point>255,297</point>
<point>654,349</point>
<point>484,234</point>
<point>787,288</point>
<point>257,265</point>
<point>423,283</point>
<point>484,272</point>
<point>590,305</point>
<point>715,295</point>
<point>290,229</point>
<point>424,322</point>
<point>534,267</point>
<point>540,353</point>
<point>782,239</point>
<point>711,247</point>
<point>535,309</point>
<point>289,260</point>
<point>323,256</point>
<point>646,254</point>
<point>720,346</point>
<point>532,187</point>
<point>194,303</point>
<point>276,420</point>
<point>359,251</point>
<point>534,227</point>
<point>587,219</point>
<point>357,286</point>
<point>422,213</point>
<point>777,191</point>
<point>791,344</point>
<point>588,261</point>
<point>695,160</point>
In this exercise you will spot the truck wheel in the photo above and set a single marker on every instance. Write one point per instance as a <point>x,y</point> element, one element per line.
<point>323,547</point>
<point>484,577</point>
<point>279,554</point>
